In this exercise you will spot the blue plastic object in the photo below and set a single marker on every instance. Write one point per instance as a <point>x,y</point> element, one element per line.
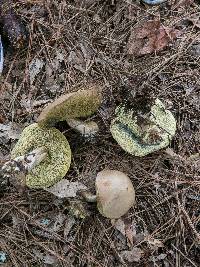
<point>2,257</point>
<point>154,2</point>
<point>45,221</point>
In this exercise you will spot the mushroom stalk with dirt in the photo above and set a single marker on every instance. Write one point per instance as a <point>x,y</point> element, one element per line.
<point>20,166</point>
<point>115,193</point>
<point>57,162</point>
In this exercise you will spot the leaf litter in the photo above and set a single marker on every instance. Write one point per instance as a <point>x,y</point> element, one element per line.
<point>150,37</point>
<point>157,211</point>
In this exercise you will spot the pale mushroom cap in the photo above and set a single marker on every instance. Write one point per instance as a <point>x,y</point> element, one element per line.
<point>78,104</point>
<point>115,193</point>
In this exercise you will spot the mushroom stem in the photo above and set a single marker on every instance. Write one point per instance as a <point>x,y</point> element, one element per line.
<point>24,164</point>
<point>88,196</point>
<point>86,128</point>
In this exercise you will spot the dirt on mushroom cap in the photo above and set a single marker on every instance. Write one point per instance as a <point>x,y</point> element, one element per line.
<point>54,168</point>
<point>115,193</point>
<point>73,105</point>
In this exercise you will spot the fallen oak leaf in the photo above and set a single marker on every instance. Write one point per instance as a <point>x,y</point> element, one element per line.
<point>149,37</point>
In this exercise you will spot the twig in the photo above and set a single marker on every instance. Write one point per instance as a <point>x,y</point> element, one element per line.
<point>193,264</point>
<point>190,223</point>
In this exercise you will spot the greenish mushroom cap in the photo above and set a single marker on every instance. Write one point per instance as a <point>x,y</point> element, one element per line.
<point>78,104</point>
<point>52,169</point>
<point>141,139</point>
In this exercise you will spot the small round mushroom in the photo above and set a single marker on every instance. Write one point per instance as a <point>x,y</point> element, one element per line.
<point>54,167</point>
<point>115,193</point>
<point>78,104</point>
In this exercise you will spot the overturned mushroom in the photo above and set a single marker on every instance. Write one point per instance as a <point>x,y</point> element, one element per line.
<point>115,193</point>
<point>57,162</point>
<point>73,105</point>
<point>140,135</point>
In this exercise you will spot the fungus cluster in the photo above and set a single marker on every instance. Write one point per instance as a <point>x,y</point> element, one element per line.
<point>115,193</point>
<point>42,134</point>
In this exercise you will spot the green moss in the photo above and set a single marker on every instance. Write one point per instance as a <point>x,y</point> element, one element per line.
<point>54,168</point>
<point>82,103</point>
<point>140,139</point>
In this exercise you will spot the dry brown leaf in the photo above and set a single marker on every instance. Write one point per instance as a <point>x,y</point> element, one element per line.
<point>119,225</point>
<point>126,229</point>
<point>149,37</point>
<point>155,243</point>
<point>133,255</point>
<point>130,232</point>
<point>65,188</point>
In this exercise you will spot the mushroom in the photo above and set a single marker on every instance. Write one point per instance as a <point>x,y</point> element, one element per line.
<point>115,193</point>
<point>58,155</point>
<point>72,105</point>
<point>140,135</point>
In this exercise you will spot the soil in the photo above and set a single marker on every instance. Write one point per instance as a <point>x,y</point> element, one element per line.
<point>73,43</point>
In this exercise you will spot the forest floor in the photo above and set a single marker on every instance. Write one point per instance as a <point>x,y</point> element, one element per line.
<point>76,42</point>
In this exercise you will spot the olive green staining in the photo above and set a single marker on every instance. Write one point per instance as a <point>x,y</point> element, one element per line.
<point>141,137</point>
<point>78,104</point>
<point>55,166</point>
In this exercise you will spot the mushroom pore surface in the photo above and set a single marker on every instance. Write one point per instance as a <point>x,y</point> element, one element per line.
<point>115,193</point>
<point>141,139</point>
<point>55,166</point>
